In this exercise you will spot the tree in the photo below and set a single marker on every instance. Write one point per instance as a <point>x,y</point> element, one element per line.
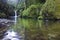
<point>32,11</point>
<point>47,8</point>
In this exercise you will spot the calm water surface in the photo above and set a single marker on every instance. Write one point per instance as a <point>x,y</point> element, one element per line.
<point>31,29</point>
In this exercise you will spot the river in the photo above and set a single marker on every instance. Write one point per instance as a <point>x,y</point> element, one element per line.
<point>32,29</point>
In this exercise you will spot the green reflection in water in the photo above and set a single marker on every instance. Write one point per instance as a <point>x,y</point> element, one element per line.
<point>38,29</point>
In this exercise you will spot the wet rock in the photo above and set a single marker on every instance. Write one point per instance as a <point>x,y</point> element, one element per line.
<point>4,25</point>
<point>6,22</point>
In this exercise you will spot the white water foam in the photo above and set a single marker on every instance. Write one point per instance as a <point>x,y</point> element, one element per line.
<point>11,35</point>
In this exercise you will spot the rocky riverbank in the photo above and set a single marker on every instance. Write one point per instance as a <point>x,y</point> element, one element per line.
<point>4,25</point>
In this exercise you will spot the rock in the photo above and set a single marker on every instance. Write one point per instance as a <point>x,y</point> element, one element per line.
<point>4,25</point>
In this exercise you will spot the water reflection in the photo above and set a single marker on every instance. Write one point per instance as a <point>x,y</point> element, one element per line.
<point>30,29</point>
<point>40,29</point>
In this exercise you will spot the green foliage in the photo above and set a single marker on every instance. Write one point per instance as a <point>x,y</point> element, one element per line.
<point>48,7</point>
<point>32,11</point>
<point>2,15</point>
<point>33,2</point>
<point>40,1</point>
<point>30,2</point>
<point>57,10</point>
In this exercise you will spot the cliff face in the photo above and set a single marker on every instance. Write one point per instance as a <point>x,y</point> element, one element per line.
<point>57,10</point>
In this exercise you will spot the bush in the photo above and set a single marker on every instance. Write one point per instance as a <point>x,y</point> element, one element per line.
<point>2,15</point>
<point>48,7</point>
<point>32,11</point>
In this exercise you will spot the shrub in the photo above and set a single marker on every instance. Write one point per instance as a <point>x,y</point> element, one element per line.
<point>48,7</point>
<point>32,11</point>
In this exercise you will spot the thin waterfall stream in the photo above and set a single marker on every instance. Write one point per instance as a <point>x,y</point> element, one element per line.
<point>15,19</point>
<point>14,31</point>
<point>11,34</point>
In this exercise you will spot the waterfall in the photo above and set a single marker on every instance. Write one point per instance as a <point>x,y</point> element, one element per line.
<point>15,19</point>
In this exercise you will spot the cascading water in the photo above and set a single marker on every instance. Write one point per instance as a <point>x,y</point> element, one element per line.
<point>15,19</point>
<point>11,34</point>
